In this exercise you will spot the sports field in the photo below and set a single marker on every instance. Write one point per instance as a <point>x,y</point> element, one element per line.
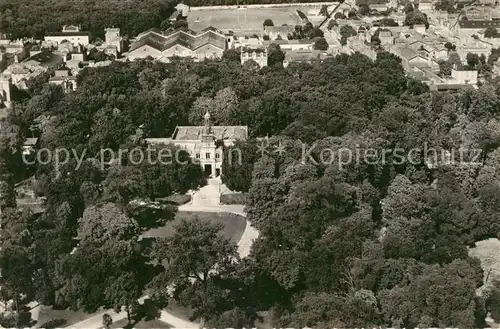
<point>243,18</point>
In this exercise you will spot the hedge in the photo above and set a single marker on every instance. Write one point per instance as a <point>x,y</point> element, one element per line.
<point>237,198</point>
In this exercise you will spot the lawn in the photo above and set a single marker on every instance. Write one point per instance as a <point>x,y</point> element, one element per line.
<point>234,225</point>
<point>47,313</point>
<point>243,18</point>
<point>142,324</point>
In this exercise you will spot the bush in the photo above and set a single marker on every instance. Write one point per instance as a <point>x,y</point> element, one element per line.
<point>24,319</point>
<point>236,198</point>
<point>55,323</point>
<point>8,320</point>
<point>179,199</point>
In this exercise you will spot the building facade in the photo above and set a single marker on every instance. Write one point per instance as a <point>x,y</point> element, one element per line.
<point>205,143</point>
<point>69,33</point>
<point>209,43</point>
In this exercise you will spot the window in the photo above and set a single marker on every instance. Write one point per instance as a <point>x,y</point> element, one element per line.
<point>197,155</point>
<point>217,155</point>
<point>207,155</point>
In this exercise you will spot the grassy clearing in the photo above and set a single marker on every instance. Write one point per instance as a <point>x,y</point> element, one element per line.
<point>234,225</point>
<point>47,313</point>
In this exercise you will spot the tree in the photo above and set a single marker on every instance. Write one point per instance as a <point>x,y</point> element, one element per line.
<point>493,301</point>
<point>315,32</point>
<point>450,46</point>
<point>446,5</point>
<point>238,165</point>
<point>454,60</point>
<point>472,60</point>
<point>197,257</point>
<point>232,55</point>
<point>324,11</point>
<point>408,8</point>
<point>124,292</point>
<point>222,108</point>
<point>17,273</point>
<point>347,31</point>
<point>7,196</point>
<point>416,17</point>
<point>268,22</point>
<point>364,10</point>
<point>331,24</point>
<point>181,24</point>
<point>107,320</point>
<point>320,44</point>
<point>445,67</point>
<point>274,55</point>
<point>490,32</point>
<point>102,223</point>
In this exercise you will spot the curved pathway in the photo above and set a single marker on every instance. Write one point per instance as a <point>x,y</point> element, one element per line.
<point>206,199</point>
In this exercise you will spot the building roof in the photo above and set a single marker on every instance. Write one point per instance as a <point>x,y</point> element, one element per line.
<point>68,33</point>
<point>165,141</point>
<point>44,58</point>
<point>282,30</point>
<point>288,42</point>
<point>302,55</point>
<point>67,77</point>
<point>470,24</point>
<point>188,39</point>
<point>457,86</point>
<point>405,52</point>
<point>220,132</point>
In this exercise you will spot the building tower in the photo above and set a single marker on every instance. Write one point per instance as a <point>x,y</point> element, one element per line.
<point>207,149</point>
<point>206,127</point>
<point>113,38</point>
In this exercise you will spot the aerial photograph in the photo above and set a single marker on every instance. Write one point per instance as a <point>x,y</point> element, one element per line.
<point>258,164</point>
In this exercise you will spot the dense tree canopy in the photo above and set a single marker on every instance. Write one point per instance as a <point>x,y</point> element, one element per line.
<point>361,222</point>
<point>33,18</point>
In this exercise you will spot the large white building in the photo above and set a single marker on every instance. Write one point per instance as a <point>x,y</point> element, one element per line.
<point>69,33</point>
<point>205,143</point>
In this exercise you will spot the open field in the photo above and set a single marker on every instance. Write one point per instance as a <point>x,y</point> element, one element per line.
<point>243,18</point>
<point>234,225</point>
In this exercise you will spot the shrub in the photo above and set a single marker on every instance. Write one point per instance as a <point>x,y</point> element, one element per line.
<point>24,318</point>
<point>179,199</point>
<point>8,320</point>
<point>55,323</point>
<point>236,198</point>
